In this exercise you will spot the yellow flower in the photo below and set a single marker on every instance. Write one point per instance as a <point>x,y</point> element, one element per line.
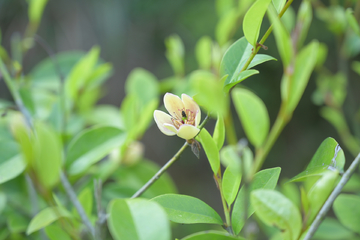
<point>184,119</point>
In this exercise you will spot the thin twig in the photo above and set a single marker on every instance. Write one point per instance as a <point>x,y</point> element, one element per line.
<point>160,172</point>
<point>166,166</point>
<point>100,212</point>
<point>72,195</point>
<point>325,208</point>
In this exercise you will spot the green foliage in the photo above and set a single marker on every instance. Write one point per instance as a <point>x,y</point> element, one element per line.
<point>253,19</point>
<point>329,155</point>
<point>347,211</point>
<point>46,217</point>
<point>187,209</point>
<point>253,115</point>
<point>275,209</point>
<point>210,149</point>
<point>210,235</point>
<point>219,132</point>
<point>265,179</point>
<point>137,219</point>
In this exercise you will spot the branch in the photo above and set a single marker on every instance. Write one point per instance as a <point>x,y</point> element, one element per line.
<point>166,166</point>
<point>72,195</point>
<point>325,208</point>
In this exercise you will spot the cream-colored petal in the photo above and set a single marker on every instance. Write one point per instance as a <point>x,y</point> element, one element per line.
<point>162,118</point>
<point>173,105</point>
<point>171,128</point>
<point>187,131</point>
<point>190,104</point>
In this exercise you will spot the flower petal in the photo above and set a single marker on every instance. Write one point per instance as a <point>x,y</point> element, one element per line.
<point>162,118</point>
<point>187,131</point>
<point>190,104</point>
<point>173,105</point>
<point>171,127</point>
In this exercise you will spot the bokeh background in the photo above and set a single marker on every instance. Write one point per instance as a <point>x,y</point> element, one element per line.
<point>131,34</point>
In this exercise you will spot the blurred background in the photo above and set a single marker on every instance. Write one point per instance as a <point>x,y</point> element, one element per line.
<point>131,34</point>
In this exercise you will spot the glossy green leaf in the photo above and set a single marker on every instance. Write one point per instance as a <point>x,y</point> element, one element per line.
<point>211,235</point>
<point>292,87</point>
<point>36,9</point>
<point>91,145</point>
<point>319,193</point>
<point>239,78</point>
<point>253,115</point>
<point>175,54</point>
<point>234,60</point>
<point>45,217</point>
<point>304,18</point>
<point>219,132</point>
<point>275,209</point>
<point>283,40</point>
<point>143,85</point>
<point>209,92</point>
<point>291,191</point>
<point>230,183</point>
<point>48,156</point>
<point>226,26</point>
<point>105,114</point>
<point>203,52</point>
<point>331,229</point>
<point>329,155</point>
<point>12,168</point>
<point>279,4</point>
<point>253,19</point>
<point>136,176</point>
<point>187,209</point>
<point>81,72</point>
<point>210,149</point>
<point>265,179</point>
<point>354,25</point>
<point>55,232</point>
<point>137,219</point>
<point>346,208</point>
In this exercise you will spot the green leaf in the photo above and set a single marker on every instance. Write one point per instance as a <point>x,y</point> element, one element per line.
<point>137,219</point>
<point>91,145</point>
<point>211,235</point>
<point>283,41</point>
<point>48,156</point>
<point>253,19</point>
<point>45,217</point>
<point>275,209</point>
<point>187,209</point>
<point>331,229</point>
<point>36,8</point>
<point>352,21</point>
<point>291,191</point>
<point>319,193</point>
<point>219,132</point>
<point>304,18</point>
<point>12,168</point>
<point>209,92</point>
<point>17,223</point>
<point>137,175</point>
<point>265,179</point>
<point>81,72</point>
<point>3,201</point>
<point>203,52</point>
<point>292,87</point>
<point>234,60</point>
<point>86,200</point>
<point>226,26</point>
<point>55,232</point>
<point>210,149</point>
<point>346,208</point>
<point>45,75</point>
<point>230,183</point>
<point>253,115</point>
<point>175,54</point>
<point>329,155</point>
<point>143,85</point>
<point>279,4</point>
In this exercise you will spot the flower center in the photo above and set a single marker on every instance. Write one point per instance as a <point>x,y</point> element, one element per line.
<point>187,117</point>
